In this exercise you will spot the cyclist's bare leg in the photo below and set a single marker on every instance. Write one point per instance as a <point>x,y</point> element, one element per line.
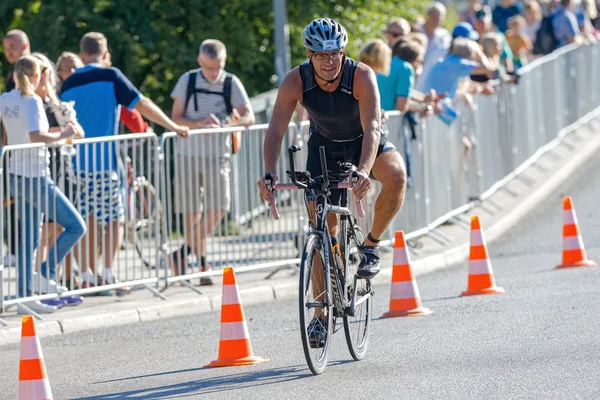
<point>389,169</point>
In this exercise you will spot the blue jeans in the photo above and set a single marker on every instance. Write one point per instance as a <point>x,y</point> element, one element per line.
<point>31,196</point>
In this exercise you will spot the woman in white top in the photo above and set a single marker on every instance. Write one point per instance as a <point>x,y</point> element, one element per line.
<point>24,118</point>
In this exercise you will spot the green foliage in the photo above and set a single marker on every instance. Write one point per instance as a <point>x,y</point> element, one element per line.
<point>155,41</point>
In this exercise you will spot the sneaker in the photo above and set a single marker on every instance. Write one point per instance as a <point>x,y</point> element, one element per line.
<point>87,285</point>
<point>122,291</point>
<point>10,260</point>
<point>317,333</point>
<point>40,284</point>
<point>206,281</point>
<point>58,303</point>
<point>369,263</point>
<point>35,306</point>
<point>72,301</point>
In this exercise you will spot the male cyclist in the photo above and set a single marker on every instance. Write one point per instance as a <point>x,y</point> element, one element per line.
<point>342,98</point>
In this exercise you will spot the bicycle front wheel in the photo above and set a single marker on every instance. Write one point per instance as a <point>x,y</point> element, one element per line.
<point>315,305</point>
<point>357,326</point>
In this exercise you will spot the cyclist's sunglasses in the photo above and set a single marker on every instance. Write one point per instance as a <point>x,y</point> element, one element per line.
<point>336,55</point>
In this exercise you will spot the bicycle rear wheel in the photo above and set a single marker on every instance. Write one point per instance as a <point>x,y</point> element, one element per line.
<point>314,301</point>
<point>148,214</point>
<point>357,327</point>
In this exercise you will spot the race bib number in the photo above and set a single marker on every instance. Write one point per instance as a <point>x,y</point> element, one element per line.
<point>330,44</point>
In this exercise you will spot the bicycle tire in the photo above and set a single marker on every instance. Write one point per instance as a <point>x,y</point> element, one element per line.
<point>316,358</point>
<point>144,225</point>
<point>360,322</point>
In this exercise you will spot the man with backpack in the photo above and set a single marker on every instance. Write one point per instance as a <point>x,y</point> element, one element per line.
<point>208,97</point>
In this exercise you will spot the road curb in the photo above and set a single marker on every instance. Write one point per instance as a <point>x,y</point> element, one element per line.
<point>281,292</point>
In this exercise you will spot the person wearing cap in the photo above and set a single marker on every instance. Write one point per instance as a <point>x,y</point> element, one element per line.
<point>397,28</point>
<point>465,30</point>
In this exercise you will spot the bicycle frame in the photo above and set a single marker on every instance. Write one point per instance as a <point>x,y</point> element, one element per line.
<point>322,208</point>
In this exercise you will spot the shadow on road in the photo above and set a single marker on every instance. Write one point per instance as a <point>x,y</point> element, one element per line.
<point>209,385</point>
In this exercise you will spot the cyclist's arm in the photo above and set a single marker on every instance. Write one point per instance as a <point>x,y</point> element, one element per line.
<point>288,95</point>
<point>367,94</point>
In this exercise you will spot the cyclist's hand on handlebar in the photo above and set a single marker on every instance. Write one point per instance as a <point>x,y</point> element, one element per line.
<point>363,185</point>
<point>266,194</point>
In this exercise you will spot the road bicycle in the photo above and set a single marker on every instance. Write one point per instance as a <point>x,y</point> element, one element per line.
<point>329,289</point>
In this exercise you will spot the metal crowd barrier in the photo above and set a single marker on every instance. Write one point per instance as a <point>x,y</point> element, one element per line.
<point>203,179</point>
<point>133,233</point>
<point>179,178</point>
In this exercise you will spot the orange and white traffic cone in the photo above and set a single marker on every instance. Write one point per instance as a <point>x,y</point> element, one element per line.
<point>405,300</point>
<point>481,276</point>
<point>33,380</point>
<point>573,251</point>
<point>234,344</point>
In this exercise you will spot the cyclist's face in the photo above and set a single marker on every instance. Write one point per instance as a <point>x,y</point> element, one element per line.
<point>326,63</point>
<point>211,67</point>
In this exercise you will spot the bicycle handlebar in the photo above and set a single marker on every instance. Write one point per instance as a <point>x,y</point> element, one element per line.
<point>299,185</point>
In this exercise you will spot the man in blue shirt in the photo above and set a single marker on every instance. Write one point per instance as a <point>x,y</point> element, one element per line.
<point>503,12</point>
<point>98,92</point>
<point>565,25</point>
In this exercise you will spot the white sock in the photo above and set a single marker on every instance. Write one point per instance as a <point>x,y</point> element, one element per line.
<point>107,275</point>
<point>87,277</point>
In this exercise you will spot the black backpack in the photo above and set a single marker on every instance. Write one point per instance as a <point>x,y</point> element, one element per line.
<point>192,91</point>
<point>545,41</point>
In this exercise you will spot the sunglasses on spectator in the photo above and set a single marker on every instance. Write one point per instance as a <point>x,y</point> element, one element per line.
<point>336,55</point>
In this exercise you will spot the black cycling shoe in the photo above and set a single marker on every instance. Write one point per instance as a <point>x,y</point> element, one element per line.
<point>317,333</point>
<point>369,263</point>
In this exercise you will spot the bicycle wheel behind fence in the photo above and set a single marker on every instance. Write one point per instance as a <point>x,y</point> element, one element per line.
<point>357,327</point>
<point>316,321</point>
<point>146,222</point>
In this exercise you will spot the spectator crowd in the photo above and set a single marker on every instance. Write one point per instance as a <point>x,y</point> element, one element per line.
<point>83,95</point>
<point>422,70</point>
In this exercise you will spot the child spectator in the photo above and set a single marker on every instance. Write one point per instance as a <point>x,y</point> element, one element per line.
<point>22,112</point>
<point>491,44</point>
<point>519,42</point>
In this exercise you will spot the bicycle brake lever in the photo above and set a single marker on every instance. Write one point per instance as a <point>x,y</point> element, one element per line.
<point>273,205</point>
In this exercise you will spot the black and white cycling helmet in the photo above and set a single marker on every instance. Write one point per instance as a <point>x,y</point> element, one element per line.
<point>324,34</point>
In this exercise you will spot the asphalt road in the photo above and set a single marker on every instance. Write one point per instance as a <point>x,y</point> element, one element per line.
<point>540,340</point>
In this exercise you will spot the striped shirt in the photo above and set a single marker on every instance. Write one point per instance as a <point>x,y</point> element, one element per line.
<point>208,147</point>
